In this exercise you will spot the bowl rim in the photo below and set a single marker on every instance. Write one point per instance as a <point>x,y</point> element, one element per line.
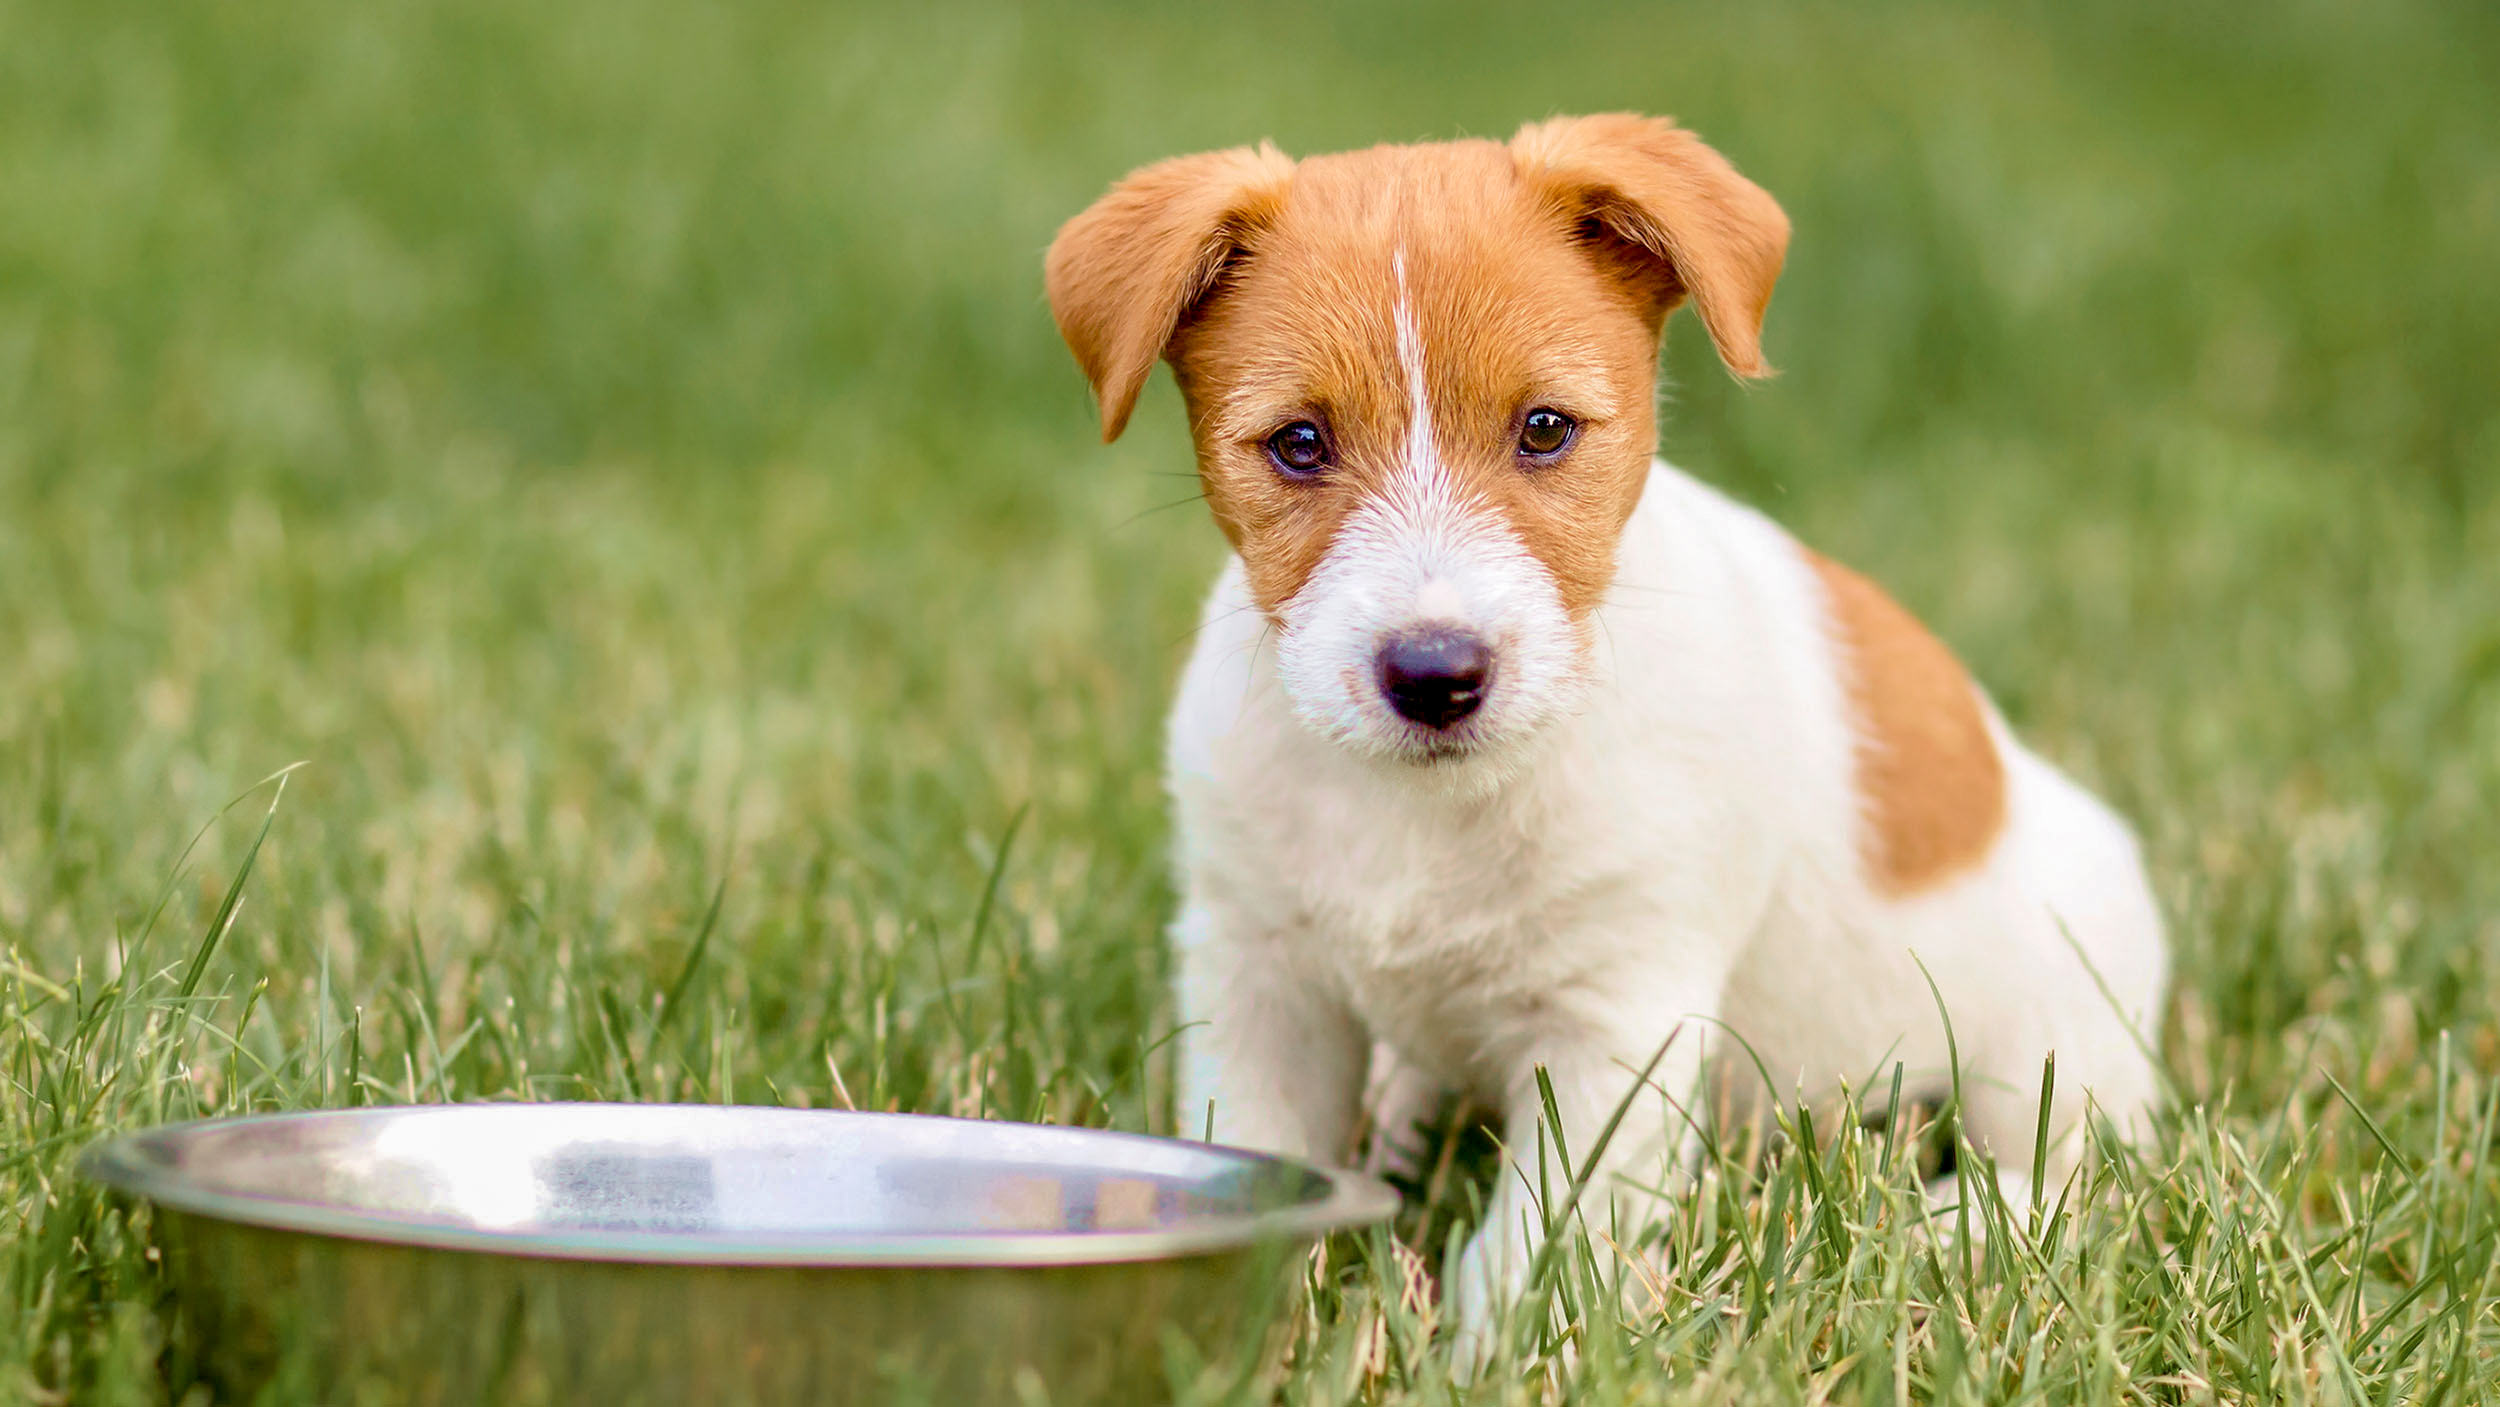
<point>118,1162</point>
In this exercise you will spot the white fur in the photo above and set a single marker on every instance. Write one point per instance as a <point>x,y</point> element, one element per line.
<point>1654,832</point>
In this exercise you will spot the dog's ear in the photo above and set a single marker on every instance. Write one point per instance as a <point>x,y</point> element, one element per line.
<point>1677,213</point>
<point>1124,274</point>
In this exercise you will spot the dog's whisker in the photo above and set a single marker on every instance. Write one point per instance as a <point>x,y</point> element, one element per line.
<point>1143,514</point>
<point>1210,623</point>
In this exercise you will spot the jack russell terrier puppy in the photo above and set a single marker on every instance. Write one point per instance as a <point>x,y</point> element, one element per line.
<point>1506,746</point>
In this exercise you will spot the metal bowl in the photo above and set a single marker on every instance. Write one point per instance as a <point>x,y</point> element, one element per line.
<point>619,1253</point>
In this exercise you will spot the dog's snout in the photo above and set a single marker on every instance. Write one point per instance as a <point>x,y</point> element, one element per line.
<point>1435,677</point>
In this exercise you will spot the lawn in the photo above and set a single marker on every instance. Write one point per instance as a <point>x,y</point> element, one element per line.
<point>620,451</point>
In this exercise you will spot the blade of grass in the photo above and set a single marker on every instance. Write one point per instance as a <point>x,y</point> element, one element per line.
<point>233,901</point>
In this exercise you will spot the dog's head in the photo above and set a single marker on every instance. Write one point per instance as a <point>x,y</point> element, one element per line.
<point>1421,383</point>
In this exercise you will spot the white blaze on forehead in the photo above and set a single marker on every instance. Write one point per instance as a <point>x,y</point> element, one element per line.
<point>1422,460</point>
<point>1414,532</point>
<point>1421,504</point>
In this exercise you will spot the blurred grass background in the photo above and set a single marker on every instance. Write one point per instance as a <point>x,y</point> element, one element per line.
<point>623,450</point>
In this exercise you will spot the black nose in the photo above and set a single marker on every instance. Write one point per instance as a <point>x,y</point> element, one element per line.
<point>1435,678</point>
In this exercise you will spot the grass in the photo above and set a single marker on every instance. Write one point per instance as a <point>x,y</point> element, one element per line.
<point>619,451</point>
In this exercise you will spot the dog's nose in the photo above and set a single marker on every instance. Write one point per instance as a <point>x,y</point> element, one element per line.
<point>1435,677</point>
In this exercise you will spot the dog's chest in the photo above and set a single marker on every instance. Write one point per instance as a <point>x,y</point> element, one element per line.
<point>1448,923</point>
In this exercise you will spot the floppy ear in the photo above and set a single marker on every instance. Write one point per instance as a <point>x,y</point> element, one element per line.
<point>1678,207</point>
<point>1123,274</point>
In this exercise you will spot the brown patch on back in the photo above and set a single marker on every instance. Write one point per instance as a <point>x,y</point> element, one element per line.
<point>1929,780</point>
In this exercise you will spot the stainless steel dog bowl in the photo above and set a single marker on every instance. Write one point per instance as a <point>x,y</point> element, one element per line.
<point>616,1254</point>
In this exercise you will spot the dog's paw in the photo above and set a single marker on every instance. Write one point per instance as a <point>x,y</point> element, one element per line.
<point>1476,1319</point>
<point>1482,1290</point>
<point>1400,1103</point>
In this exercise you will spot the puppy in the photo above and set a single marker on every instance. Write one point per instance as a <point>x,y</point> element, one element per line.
<point>1506,747</point>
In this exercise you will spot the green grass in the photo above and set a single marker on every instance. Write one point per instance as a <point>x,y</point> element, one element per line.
<point>621,451</point>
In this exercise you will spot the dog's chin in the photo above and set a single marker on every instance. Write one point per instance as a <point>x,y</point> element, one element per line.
<point>1462,763</point>
<point>1435,749</point>
<point>1476,756</point>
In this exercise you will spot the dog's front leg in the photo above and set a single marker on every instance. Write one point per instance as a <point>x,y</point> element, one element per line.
<point>1634,1066</point>
<point>1269,1059</point>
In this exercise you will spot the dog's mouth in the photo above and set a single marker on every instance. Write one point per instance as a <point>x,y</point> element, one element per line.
<point>1432,752</point>
<point>1425,746</point>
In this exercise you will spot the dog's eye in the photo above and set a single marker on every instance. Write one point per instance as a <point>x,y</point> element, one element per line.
<point>1299,448</point>
<point>1545,433</point>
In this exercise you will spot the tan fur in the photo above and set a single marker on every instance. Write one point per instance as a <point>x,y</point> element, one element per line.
<point>1929,777</point>
<point>1122,274</point>
<point>1538,273</point>
<point>1719,236</point>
